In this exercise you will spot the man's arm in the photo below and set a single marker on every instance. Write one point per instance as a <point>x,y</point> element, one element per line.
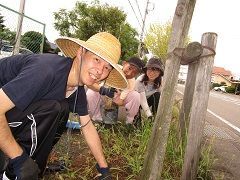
<point>7,142</point>
<point>95,87</point>
<point>93,140</point>
<point>103,90</point>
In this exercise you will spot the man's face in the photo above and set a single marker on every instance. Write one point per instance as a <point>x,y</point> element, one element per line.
<point>93,69</point>
<point>129,70</point>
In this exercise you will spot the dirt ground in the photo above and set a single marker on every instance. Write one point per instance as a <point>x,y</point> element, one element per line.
<point>80,162</point>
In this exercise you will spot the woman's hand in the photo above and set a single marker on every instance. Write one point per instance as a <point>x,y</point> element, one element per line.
<point>117,99</point>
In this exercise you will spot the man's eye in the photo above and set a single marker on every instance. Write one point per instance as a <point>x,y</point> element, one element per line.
<point>108,68</point>
<point>97,60</point>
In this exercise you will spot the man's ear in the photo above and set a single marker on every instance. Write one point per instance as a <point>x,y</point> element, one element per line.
<point>81,51</point>
<point>124,62</point>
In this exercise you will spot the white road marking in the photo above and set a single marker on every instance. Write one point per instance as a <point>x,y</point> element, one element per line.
<point>220,118</point>
<point>224,120</point>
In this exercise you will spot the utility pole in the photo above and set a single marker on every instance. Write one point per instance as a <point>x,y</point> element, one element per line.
<point>19,28</point>
<point>142,31</point>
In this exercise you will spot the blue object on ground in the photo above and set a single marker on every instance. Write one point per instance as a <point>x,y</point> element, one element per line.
<point>73,125</point>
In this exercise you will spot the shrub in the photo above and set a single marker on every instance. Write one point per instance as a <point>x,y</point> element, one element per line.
<point>215,85</point>
<point>230,89</point>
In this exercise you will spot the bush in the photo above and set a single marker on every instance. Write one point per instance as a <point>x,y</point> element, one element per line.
<point>230,89</point>
<point>215,85</point>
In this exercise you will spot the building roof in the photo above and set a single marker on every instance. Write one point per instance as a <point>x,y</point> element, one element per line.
<point>221,70</point>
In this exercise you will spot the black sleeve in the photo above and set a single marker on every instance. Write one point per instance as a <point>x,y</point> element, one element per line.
<point>30,83</point>
<point>81,102</point>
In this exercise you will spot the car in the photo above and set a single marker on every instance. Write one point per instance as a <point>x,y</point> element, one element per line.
<point>7,50</point>
<point>220,88</point>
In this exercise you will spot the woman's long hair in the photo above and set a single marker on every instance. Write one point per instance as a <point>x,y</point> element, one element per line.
<point>157,82</point>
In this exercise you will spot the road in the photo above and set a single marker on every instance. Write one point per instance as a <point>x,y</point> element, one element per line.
<point>223,110</point>
<point>223,124</point>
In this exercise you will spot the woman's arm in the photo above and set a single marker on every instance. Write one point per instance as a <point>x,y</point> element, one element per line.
<point>144,104</point>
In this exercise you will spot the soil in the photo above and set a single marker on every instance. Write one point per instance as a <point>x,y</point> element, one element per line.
<point>79,161</point>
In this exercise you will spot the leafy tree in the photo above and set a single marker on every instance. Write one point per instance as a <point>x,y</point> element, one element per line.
<point>32,40</point>
<point>157,39</point>
<point>2,26</point>
<point>8,35</point>
<point>85,20</point>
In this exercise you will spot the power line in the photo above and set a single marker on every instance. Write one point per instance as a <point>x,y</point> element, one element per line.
<point>142,32</point>
<point>139,10</point>
<point>135,14</point>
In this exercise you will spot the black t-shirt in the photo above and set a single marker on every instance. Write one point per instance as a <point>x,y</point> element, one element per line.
<point>30,78</point>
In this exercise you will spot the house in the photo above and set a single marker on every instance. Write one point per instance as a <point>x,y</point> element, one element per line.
<point>221,79</point>
<point>222,76</point>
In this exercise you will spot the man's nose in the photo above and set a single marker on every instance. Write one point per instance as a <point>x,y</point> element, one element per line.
<point>100,69</point>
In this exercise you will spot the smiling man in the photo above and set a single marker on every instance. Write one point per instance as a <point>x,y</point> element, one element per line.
<point>38,91</point>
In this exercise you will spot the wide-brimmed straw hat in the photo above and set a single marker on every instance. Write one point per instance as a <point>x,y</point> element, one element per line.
<point>104,45</point>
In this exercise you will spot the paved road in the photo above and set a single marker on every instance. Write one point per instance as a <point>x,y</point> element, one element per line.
<point>223,110</point>
<point>223,123</point>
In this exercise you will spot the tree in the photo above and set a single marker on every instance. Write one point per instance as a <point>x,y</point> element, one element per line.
<point>86,20</point>
<point>8,35</point>
<point>157,39</point>
<point>2,26</point>
<point>32,40</point>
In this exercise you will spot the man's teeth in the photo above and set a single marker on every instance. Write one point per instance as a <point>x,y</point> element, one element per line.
<point>92,76</point>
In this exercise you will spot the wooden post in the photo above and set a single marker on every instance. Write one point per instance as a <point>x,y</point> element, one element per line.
<point>199,108</point>
<point>155,155</point>
<point>193,50</point>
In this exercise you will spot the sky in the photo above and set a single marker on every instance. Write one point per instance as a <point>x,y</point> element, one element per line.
<point>219,16</point>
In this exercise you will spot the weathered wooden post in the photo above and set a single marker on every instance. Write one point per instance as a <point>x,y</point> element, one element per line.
<point>197,114</point>
<point>154,158</point>
<point>190,55</point>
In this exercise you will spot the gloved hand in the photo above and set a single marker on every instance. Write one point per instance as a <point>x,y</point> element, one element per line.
<point>24,167</point>
<point>105,173</point>
<point>107,91</point>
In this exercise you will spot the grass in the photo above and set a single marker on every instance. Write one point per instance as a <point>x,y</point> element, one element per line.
<point>124,148</point>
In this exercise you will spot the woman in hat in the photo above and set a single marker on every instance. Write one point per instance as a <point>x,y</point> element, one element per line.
<point>149,85</point>
<point>129,98</point>
<point>37,91</point>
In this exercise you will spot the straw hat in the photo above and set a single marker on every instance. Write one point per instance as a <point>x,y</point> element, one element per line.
<point>104,45</point>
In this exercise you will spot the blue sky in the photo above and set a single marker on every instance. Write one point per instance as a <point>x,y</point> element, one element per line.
<point>219,16</point>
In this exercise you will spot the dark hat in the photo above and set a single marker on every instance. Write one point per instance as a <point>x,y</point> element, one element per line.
<point>137,62</point>
<point>156,63</point>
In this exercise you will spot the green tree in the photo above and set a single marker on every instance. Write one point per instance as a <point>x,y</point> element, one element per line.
<point>8,35</point>
<point>157,39</point>
<point>2,26</point>
<point>5,33</point>
<point>32,40</point>
<point>85,20</point>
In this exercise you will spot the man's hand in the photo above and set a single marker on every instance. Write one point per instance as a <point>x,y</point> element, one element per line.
<point>105,173</point>
<point>24,167</point>
<point>107,91</point>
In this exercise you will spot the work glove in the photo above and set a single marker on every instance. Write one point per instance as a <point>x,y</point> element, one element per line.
<point>24,167</point>
<point>105,173</point>
<point>107,91</point>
